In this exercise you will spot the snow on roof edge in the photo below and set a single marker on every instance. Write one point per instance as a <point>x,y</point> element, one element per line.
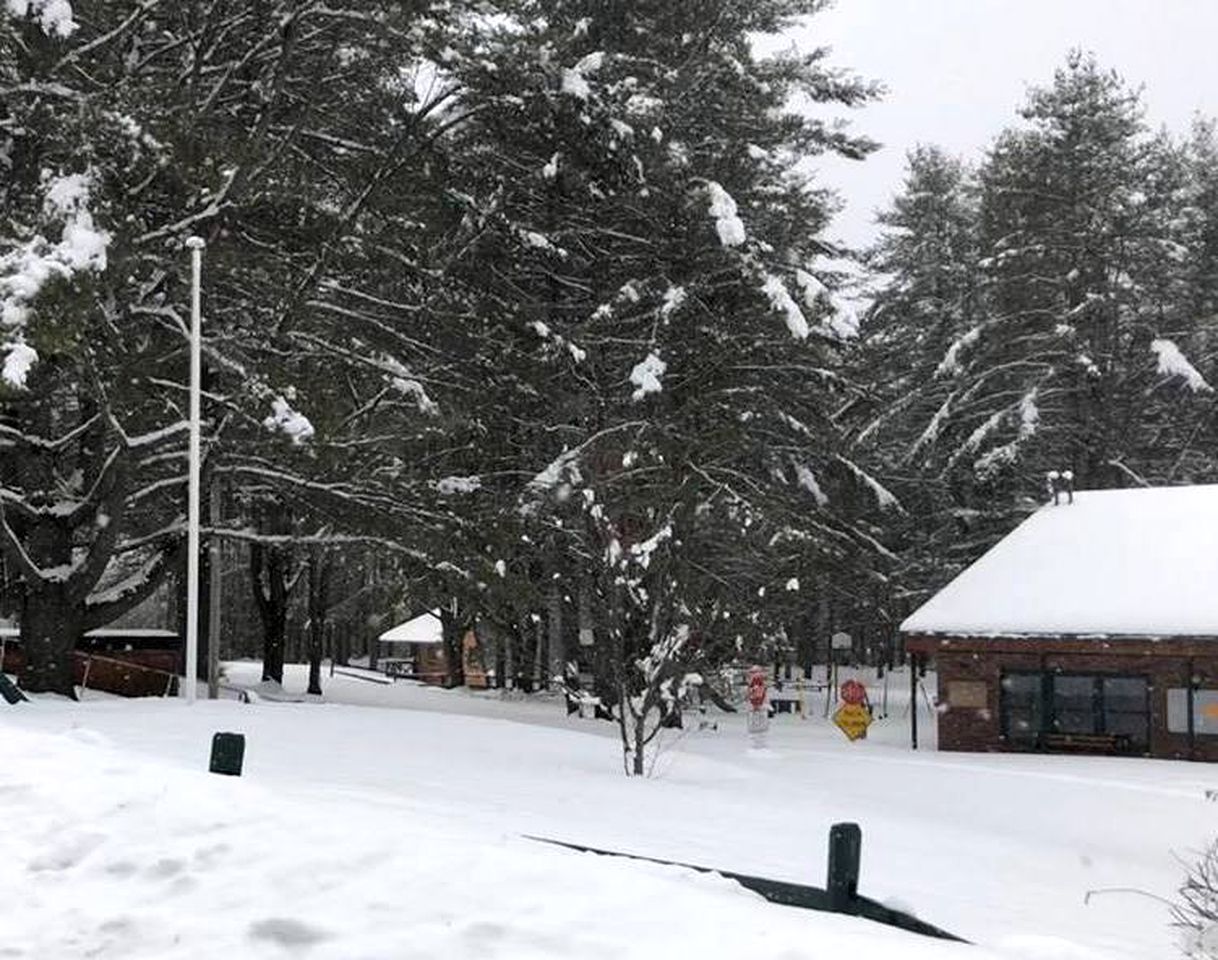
<point>1135,563</point>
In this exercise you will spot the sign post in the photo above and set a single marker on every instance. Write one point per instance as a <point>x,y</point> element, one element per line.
<point>759,706</point>
<point>853,717</point>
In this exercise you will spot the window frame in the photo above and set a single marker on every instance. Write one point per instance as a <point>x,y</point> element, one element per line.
<point>1046,697</point>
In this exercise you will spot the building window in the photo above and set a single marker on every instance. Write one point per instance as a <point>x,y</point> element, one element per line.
<point>1127,708</point>
<point>1037,704</point>
<point>1074,707</point>
<point>1022,707</point>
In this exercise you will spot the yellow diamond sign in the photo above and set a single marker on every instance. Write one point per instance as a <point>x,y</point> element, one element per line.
<point>853,719</point>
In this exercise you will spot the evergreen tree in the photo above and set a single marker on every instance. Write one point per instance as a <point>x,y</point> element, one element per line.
<point>1080,321</point>
<point>927,259</point>
<point>664,356</point>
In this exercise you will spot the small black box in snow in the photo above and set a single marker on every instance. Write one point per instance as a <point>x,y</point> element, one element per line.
<point>227,753</point>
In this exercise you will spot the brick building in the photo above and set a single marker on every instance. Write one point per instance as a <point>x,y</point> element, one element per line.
<point>1092,627</point>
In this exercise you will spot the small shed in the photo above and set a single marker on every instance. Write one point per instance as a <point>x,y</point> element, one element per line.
<point>128,661</point>
<point>415,649</point>
<point>1092,628</point>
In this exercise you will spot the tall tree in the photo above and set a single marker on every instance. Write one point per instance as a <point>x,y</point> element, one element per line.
<point>929,295</point>
<point>1081,322</point>
<point>289,135</point>
<point>664,352</point>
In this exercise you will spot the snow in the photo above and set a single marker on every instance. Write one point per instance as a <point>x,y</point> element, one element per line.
<point>723,210</point>
<point>884,497</point>
<point>1173,363</point>
<point>288,421</point>
<point>54,16</point>
<point>781,301</point>
<point>950,364</point>
<point>448,486</point>
<point>646,376</point>
<point>1139,562</point>
<point>10,632</point>
<point>411,388</point>
<point>674,299</point>
<point>574,82</point>
<point>389,820</point>
<point>642,551</point>
<point>807,480</point>
<point>426,628</point>
<point>811,288</point>
<point>27,268</point>
<point>17,363</point>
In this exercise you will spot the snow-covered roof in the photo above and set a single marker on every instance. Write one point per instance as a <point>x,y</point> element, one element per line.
<point>11,630</point>
<point>1140,562</point>
<point>422,629</point>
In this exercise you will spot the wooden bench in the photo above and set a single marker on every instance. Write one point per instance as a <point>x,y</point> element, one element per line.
<point>1085,742</point>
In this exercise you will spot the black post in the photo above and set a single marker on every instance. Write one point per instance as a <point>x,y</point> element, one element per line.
<point>227,754</point>
<point>845,852</point>
<point>913,700</point>
<point>1191,704</point>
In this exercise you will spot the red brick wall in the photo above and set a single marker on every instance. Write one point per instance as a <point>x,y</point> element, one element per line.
<point>979,729</point>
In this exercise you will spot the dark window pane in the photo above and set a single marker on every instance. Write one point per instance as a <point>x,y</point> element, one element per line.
<point>1126,694</point>
<point>1021,688</point>
<point>1074,721</point>
<point>1022,707</point>
<point>1023,725</point>
<point>1132,725</point>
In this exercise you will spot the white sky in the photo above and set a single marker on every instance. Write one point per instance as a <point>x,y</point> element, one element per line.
<point>956,70</point>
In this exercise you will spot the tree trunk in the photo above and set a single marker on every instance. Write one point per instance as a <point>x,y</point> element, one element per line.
<point>319,601</point>
<point>640,744</point>
<point>50,632</point>
<point>558,654</point>
<point>453,634</point>
<point>269,576</point>
<point>273,639</point>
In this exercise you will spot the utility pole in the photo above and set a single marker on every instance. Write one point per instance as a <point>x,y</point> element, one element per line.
<point>195,245</point>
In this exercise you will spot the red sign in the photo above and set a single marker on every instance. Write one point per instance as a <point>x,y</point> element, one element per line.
<point>854,692</point>
<point>757,688</point>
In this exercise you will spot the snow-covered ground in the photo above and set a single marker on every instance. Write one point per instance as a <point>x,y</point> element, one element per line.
<point>389,821</point>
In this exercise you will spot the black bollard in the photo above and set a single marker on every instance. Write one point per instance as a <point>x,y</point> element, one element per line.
<point>845,852</point>
<point>227,754</point>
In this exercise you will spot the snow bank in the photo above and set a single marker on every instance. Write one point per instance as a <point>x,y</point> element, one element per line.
<point>146,859</point>
<point>372,826</point>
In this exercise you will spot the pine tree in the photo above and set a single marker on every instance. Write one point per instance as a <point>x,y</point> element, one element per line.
<point>665,357</point>
<point>929,296</point>
<point>1076,217</point>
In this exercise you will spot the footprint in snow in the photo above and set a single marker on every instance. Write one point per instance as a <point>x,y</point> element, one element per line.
<point>67,852</point>
<point>286,932</point>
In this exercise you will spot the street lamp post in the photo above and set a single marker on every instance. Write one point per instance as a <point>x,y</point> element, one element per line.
<point>195,245</point>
